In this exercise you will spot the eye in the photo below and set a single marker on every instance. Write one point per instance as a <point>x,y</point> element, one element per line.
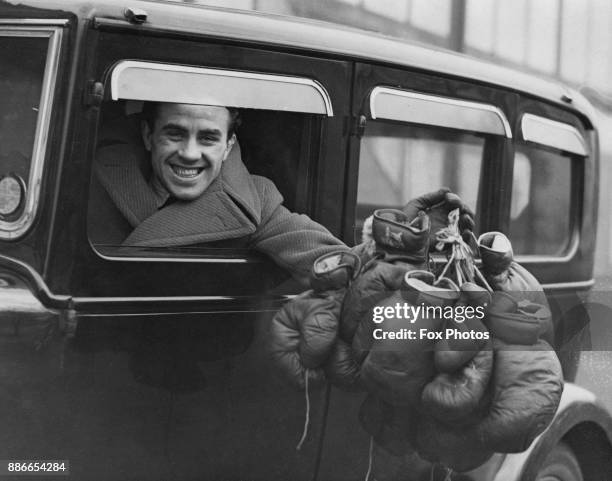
<point>208,138</point>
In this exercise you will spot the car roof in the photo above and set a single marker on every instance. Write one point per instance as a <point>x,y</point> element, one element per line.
<point>317,36</point>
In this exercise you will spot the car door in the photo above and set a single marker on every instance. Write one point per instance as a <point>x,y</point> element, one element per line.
<point>552,217</point>
<point>168,373</point>
<point>413,133</point>
<point>35,58</point>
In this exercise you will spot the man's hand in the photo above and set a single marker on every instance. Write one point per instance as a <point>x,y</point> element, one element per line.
<point>437,206</point>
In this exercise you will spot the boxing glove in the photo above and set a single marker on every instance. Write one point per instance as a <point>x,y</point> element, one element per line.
<point>527,380</point>
<point>304,331</point>
<point>452,353</point>
<point>517,323</point>
<point>527,384</point>
<point>506,275</point>
<point>458,398</point>
<point>397,370</point>
<point>437,205</point>
<point>343,369</point>
<point>398,244</point>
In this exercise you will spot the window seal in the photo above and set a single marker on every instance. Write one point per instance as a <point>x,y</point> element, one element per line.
<point>438,111</point>
<point>569,254</point>
<point>31,28</point>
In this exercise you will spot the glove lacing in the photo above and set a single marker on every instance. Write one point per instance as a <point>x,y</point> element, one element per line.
<point>307,418</point>
<point>462,256</point>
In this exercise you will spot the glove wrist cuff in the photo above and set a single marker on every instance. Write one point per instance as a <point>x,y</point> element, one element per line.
<point>495,251</point>
<point>396,234</point>
<point>334,270</point>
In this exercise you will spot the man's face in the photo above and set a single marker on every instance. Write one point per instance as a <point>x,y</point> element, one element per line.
<point>188,145</point>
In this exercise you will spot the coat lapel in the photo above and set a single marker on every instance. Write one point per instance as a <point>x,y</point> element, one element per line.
<point>119,170</point>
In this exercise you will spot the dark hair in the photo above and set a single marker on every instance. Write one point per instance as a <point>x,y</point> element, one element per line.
<point>235,121</point>
<point>149,114</point>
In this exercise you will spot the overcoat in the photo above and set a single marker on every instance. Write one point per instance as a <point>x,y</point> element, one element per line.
<point>238,208</point>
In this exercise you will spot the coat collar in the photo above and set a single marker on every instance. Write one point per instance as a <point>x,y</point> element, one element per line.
<point>229,208</point>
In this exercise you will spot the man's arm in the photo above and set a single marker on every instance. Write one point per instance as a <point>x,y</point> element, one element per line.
<point>292,240</point>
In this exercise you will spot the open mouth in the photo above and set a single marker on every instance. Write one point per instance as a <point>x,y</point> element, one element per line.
<point>186,172</point>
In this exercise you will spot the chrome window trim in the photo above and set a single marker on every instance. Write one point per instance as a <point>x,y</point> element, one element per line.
<point>425,116</point>
<point>165,300</point>
<point>146,299</point>
<point>141,258</point>
<point>61,22</point>
<point>570,285</point>
<point>193,260</point>
<point>551,133</point>
<point>165,313</point>
<point>17,228</point>
<point>180,96</point>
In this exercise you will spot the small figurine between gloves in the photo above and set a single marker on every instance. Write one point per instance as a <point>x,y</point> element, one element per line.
<point>476,376</point>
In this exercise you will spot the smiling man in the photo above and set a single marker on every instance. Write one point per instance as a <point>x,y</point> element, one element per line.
<point>188,145</point>
<point>185,184</point>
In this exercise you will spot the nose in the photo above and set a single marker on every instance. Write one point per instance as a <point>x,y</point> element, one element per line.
<point>190,151</point>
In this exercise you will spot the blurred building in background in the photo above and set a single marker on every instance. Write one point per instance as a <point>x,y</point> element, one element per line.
<point>570,40</point>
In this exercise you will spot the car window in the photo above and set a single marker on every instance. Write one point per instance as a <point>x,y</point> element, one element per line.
<point>541,214</point>
<point>134,185</point>
<point>28,66</point>
<point>270,144</point>
<point>398,162</point>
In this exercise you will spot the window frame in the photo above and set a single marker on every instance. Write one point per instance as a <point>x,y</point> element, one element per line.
<point>495,146</point>
<point>53,31</point>
<point>576,182</point>
<point>437,132</point>
<point>106,44</point>
<point>553,137</point>
<point>113,92</point>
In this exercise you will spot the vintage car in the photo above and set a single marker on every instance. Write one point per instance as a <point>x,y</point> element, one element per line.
<point>149,363</point>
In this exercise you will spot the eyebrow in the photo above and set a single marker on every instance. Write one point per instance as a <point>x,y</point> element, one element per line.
<point>215,132</point>
<point>172,126</point>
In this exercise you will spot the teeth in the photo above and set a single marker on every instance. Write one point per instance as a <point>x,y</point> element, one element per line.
<point>184,172</point>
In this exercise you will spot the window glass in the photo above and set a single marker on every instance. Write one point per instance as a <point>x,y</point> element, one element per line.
<point>398,162</point>
<point>22,67</point>
<point>540,215</point>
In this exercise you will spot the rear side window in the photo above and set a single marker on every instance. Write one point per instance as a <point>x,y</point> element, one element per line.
<point>547,169</point>
<point>540,216</point>
<point>28,59</point>
<point>416,143</point>
<point>399,162</point>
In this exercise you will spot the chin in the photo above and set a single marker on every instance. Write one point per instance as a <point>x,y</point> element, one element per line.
<point>189,194</point>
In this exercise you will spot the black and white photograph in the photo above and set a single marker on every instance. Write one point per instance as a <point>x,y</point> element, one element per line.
<point>305,240</point>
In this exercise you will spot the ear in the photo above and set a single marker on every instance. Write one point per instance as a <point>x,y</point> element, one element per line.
<point>146,133</point>
<point>228,148</point>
